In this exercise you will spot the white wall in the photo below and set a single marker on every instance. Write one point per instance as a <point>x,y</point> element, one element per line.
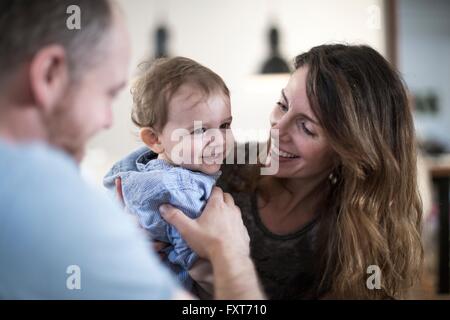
<point>424,59</point>
<point>230,38</point>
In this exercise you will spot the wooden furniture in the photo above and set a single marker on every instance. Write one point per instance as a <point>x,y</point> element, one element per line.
<point>440,173</point>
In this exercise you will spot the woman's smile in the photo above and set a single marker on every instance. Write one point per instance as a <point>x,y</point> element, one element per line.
<point>284,155</point>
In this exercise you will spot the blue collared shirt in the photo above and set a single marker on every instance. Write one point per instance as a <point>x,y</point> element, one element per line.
<point>61,239</point>
<point>147,183</point>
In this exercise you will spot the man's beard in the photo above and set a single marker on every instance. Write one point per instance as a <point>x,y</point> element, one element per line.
<point>63,134</point>
<point>77,153</point>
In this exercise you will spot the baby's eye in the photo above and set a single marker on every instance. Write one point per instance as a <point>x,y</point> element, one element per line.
<point>199,131</point>
<point>226,125</point>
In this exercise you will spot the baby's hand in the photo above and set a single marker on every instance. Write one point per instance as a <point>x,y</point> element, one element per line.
<point>159,247</point>
<point>119,193</point>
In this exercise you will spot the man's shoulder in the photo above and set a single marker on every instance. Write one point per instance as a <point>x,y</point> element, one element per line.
<point>33,159</point>
<point>51,219</point>
<point>39,177</point>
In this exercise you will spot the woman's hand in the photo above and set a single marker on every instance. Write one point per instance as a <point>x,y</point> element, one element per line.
<point>219,230</point>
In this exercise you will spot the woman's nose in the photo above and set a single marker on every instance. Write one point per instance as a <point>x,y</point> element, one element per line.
<point>273,119</point>
<point>280,125</point>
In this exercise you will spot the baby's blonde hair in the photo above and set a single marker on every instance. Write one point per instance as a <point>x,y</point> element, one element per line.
<point>161,79</point>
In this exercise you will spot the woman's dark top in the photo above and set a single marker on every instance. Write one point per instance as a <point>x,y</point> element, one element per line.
<point>284,263</point>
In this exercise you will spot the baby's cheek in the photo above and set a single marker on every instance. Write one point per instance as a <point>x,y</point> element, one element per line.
<point>197,147</point>
<point>181,152</point>
<point>229,141</point>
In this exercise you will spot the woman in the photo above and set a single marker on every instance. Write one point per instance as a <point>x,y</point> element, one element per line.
<point>345,195</point>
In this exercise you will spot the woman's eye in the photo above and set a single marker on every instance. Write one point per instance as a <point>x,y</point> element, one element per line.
<point>225,125</point>
<point>306,130</point>
<point>199,131</point>
<point>282,106</point>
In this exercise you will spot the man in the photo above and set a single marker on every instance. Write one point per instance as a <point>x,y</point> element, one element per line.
<point>58,238</point>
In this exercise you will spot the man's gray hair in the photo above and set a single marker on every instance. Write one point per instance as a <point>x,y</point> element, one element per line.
<point>26,26</point>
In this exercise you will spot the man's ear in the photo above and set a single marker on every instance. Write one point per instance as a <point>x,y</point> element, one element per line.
<point>150,137</point>
<point>49,76</point>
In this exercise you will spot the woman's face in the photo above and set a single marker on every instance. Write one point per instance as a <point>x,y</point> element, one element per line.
<point>301,147</point>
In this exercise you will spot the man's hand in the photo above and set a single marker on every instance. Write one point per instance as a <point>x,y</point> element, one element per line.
<point>218,230</point>
<point>220,236</point>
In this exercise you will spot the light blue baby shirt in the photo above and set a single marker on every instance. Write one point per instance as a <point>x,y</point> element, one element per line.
<point>147,183</point>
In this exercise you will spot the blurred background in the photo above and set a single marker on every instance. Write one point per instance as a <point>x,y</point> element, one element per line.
<point>233,39</point>
<point>252,43</point>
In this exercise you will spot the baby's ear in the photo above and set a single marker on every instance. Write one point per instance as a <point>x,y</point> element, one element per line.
<point>150,137</point>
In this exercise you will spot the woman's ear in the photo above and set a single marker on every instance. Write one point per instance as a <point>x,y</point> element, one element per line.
<point>150,137</point>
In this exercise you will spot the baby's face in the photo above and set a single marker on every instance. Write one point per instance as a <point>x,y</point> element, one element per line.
<point>197,134</point>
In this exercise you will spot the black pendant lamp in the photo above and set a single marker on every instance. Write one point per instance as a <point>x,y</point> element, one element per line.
<point>161,39</point>
<point>275,63</point>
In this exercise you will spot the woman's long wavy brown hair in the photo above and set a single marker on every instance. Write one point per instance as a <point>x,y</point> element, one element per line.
<point>376,211</point>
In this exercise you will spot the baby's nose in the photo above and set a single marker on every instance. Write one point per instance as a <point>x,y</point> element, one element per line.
<point>213,139</point>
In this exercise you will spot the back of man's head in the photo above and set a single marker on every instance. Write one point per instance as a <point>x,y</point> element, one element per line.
<point>26,26</point>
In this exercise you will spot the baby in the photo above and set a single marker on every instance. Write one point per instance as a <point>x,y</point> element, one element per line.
<point>183,111</point>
